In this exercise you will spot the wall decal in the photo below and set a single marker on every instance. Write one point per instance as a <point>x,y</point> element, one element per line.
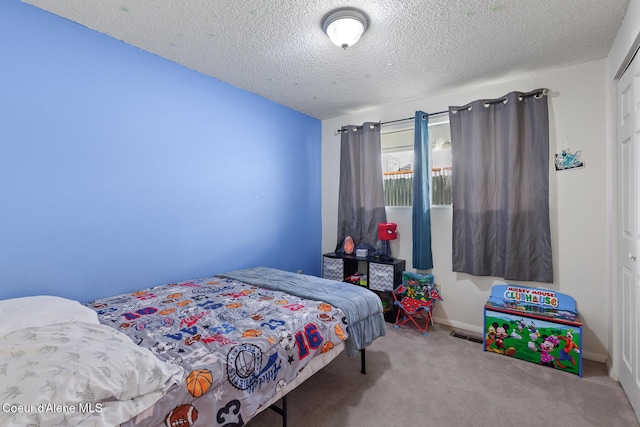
<point>568,160</point>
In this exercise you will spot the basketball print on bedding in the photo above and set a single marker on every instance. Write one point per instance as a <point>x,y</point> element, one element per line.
<point>199,382</point>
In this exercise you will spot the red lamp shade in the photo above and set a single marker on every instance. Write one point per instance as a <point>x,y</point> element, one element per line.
<point>387,231</point>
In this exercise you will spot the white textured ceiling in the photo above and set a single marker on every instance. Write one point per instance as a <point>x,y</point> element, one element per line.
<point>412,49</point>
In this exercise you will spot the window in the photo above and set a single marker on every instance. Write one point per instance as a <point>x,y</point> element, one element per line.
<point>440,135</point>
<point>397,165</point>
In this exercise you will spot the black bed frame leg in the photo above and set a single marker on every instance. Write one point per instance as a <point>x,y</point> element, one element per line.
<point>281,411</point>
<point>284,411</point>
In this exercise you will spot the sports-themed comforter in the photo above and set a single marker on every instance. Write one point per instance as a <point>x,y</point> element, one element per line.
<point>238,344</point>
<point>362,307</point>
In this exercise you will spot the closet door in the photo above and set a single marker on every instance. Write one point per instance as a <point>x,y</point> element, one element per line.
<point>628,131</point>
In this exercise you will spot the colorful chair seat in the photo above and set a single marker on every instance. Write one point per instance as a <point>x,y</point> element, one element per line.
<point>415,298</point>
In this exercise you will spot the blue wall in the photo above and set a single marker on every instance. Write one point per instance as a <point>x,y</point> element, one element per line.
<point>120,170</point>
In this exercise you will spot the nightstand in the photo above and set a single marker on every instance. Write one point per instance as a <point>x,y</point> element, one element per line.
<point>383,275</point>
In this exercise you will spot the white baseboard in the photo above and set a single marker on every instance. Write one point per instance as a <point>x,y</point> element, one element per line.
<point>587,355</point>
<point>459,325</point>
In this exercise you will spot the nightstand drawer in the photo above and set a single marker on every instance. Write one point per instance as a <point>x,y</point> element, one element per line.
<point>333,268</point>
<point>381,277</point>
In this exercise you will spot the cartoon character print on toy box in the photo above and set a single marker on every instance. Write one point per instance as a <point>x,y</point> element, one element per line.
<point>548,344</point>
<point>238,344</point>
<point>495,339</point>
<point>538,341</point>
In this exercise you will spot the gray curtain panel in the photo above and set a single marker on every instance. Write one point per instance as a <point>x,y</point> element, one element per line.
<point>500,182</point>
<point>361,193</point>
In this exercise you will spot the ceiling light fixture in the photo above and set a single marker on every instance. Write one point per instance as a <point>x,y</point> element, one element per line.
<point>345,26</point>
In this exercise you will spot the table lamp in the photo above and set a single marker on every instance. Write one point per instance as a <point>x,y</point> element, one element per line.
<point>387,231</point>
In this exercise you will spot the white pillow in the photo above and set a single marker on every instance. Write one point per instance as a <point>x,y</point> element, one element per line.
<point>97,372</point>
<point>41,310</point>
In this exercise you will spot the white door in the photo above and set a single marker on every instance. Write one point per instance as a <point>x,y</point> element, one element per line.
<point>628,131</point>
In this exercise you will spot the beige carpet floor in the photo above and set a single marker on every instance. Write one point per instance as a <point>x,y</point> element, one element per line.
<point>443,381</point>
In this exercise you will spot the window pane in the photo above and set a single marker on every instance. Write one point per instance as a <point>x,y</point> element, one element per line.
<point>397,165</point>
<point>440,135</point>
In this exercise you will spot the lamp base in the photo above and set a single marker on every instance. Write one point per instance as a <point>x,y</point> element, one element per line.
<point>385,249</point>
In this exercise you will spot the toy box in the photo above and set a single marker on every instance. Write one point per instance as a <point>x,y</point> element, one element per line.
<point>534,324</point>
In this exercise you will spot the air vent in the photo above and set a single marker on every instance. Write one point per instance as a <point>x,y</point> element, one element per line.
<point>464,336</point>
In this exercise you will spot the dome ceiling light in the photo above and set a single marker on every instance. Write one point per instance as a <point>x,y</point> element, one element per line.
<point>345,26</point>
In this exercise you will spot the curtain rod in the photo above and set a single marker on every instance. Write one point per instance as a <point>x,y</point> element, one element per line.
<point>538,93</point>
<point>406,119</point>
<point>411,118</point>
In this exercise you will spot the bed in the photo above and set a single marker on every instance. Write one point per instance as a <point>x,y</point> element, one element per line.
<point>213,351</point>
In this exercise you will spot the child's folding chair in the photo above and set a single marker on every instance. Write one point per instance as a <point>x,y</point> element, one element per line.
<point>415,298</point>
